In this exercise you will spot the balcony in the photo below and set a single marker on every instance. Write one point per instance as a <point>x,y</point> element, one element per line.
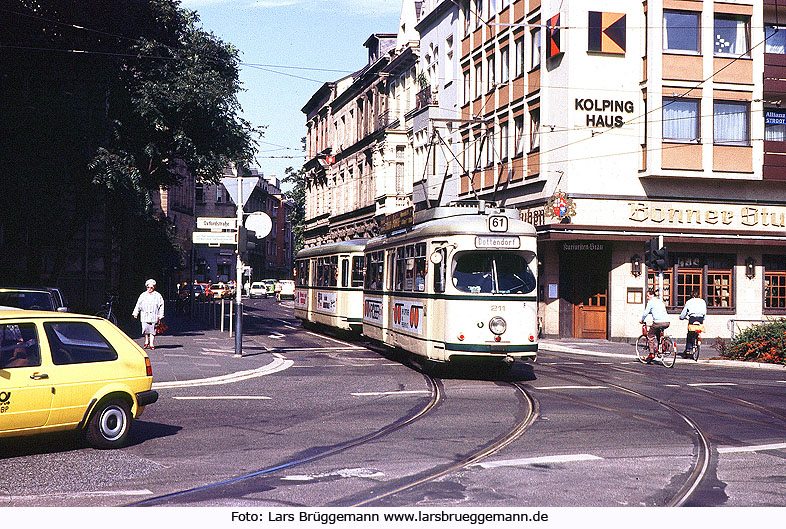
<point>425,98</point>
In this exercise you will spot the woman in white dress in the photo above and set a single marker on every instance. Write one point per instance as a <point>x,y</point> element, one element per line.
<point>150,306</point>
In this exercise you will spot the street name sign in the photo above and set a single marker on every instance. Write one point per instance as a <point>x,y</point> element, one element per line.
<point>217,223</point>
<point>214,237</point>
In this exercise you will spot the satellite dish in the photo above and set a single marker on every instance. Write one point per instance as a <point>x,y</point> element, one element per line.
<point>260,224</point>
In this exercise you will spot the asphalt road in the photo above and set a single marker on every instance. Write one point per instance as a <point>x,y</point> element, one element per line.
<point>306,419</point>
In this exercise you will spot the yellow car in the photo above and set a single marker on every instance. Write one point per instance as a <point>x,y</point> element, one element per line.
<point>62,371</point>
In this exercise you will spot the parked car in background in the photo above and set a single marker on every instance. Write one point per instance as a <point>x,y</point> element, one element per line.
<point>33,298</point>
<point>270,285</point>
<point>286,290</point>
<point>258,290</point>
<point>70,372</point>
<point>220,290</point>
<point>199,291</point>
<point>208,290</point>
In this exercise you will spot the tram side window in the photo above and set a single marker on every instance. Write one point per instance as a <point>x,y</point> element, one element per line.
<point>333,277</point>
<point>302,273</point>
<point>345,272</point>
<point>358,270</point>
<point>375,270</point>
<point>391,268</point>
<point>409,273</point>
<point>401,265</point>
<point>420,267</point>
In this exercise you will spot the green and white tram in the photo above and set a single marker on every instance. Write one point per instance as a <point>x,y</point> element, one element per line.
<point>329,284</point>
<point>461,283</point>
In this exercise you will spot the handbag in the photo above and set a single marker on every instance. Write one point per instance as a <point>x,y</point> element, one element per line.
<point>161,327</point>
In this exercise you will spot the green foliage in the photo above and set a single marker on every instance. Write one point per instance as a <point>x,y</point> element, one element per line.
<point>297,195</point>
<point>765,342</point>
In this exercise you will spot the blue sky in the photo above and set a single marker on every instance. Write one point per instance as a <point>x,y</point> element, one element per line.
<point>285,45</point>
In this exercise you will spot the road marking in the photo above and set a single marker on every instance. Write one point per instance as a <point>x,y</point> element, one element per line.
<point>573,387</point>
<point>343,473</point>
<point>329,338</point>
<point>278,364</point>
<point>277,336</point>
<point>77,494</point>
<point>752,448</point>
<point>226,397</point>
<point>544,460</point>
<point>697,384</point>
<point>380,393</point>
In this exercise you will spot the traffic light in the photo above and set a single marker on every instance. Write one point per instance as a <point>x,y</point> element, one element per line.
<point>650,247</point>
<point>246,241</point>
<point>660,258</point>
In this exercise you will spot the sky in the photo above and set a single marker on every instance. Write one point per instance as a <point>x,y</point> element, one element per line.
<point>288,49</point>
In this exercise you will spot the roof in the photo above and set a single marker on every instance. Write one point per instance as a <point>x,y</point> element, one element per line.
<point>355,245</point>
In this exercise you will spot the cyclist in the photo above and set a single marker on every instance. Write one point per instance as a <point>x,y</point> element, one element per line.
<point>660,317</point>
<point>695,310</point>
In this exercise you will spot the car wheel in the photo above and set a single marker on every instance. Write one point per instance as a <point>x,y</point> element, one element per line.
<point>109,425</point>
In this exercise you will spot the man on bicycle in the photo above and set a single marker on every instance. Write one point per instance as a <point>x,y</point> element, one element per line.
<point>695,310</point>
<point>660,318</point>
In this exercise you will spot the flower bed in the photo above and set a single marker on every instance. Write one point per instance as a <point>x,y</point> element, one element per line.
<point>765,342</point>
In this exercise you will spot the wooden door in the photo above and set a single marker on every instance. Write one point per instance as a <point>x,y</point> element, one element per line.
<point>590,303</point>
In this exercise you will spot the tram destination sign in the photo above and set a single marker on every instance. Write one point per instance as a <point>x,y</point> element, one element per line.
<point>497,241</point>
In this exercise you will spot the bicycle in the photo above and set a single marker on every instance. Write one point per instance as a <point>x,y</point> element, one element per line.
<point>665,348</point>
<point>697,329</point>
<point>108,312</point>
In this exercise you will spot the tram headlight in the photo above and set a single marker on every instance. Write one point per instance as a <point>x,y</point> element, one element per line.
<point>497,325</point>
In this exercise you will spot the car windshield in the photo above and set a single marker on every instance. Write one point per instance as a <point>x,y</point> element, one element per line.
<point>493,272</point>
<point>27,300</point>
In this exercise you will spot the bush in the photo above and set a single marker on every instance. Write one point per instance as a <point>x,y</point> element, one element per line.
<point>765,342</point>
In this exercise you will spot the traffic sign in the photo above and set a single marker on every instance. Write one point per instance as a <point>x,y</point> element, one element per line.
<point>214,237</point>
<point>231,185</point>
<point>217,223</point>
<point>260,223</point>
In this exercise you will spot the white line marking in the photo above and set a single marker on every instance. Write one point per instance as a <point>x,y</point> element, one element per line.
<point>697,384</point>
<point>753,448</point>
<point>143,492</point>
<point>343,473</point>
<point>544,460</point>
<point>226,397</point>
<point>279,364</point>
<point>573,387</point>
<point>329,338</point>
<point>379,393</point>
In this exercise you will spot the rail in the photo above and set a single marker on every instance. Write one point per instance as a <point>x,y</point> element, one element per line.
<point>735,326</point>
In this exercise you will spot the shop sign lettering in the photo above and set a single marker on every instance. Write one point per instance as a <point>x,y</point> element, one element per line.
<point>745,215</point>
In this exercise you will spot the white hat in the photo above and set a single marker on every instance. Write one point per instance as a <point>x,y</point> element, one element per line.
<point>150,283</point>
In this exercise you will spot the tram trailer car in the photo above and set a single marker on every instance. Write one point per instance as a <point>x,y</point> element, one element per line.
<point>329,284</point>
<point>459,285</point>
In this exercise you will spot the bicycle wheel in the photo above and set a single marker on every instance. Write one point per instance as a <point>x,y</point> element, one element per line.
<point>107,316</point>
<point>695,352</point>
<point>642,349</point>
<point>669,355</point>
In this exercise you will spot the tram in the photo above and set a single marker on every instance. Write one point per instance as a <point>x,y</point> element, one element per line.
<point>461,282</point>
<point>329,284</point>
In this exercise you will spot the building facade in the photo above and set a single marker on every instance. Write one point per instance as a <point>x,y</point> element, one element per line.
<point>606,124</point>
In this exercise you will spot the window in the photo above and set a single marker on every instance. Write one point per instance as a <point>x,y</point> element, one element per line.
<point>19,346</point>
<point>490,271</point>
<point>519,67</point>
<point>680,119</point>
<point>467,88</point>
<point>504,65</point>
<point>518,124</point>
<point>680,31</point>
<point>358,270</point>
<point>302,273</point>
<point>478,80</point>
<point>711,274</point>
<point>774,281</point>
<point>534,132</point>
<point>77,343</point>
<point>775,40</point>
<point>448,61</point>
<point>774,125</point>
<point>535,62</point>
<point>478,13</point>
<point>492,8</point>
<point>399,169</point>
<point>652,283</point>
<point>327,271</point>
<point>731,123</point>
<point>505,3</point>
<point>491,77</point>
<point>199,193</point>
<point>503,141</point>
<point>374,273</point>
<point>732,35</point>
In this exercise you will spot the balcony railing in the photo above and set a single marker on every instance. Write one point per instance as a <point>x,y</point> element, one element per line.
<point>425,98</point>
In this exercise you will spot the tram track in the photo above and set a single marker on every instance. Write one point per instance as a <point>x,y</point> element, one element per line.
<point>701,461</point>
<point>192,494</point>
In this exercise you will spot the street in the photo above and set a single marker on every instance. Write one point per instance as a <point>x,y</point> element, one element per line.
<point>309,419</point>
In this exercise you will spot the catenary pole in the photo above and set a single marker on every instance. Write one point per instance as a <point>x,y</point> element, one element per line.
<point>239,269</point>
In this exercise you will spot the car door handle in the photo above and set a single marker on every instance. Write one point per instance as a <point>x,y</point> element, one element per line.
<point>39,376</point>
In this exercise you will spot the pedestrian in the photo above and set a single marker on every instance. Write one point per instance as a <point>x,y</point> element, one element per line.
<point>660,320</point>
<point>150,306</point>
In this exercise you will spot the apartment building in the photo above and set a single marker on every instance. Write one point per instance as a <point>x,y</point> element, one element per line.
<point>621,121</point>
<point>605,123</point>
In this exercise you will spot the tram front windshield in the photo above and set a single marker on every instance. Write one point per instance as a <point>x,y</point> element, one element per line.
<point>492,272</point>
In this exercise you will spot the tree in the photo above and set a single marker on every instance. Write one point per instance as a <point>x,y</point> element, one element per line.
<point>297,217</point>
<point>101,100</point>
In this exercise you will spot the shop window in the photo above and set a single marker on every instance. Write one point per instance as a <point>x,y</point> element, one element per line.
<point>652,283</point>
<point>680,119</point>
<point>680,31</point>
<point>711,274</point>
<point>732,35</point>
<point>774,281</point>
